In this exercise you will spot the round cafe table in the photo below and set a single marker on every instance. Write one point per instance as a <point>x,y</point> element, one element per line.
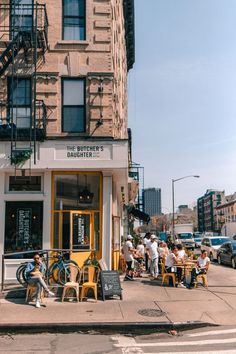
<point>187,266</point>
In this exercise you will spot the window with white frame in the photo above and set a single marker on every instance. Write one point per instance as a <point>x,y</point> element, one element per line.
<point>73,105</point>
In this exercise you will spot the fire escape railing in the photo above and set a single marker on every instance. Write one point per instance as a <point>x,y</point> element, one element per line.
<point>6,124</point>
<point>23,41</point>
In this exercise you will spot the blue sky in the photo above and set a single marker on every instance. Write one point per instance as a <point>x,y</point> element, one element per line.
<point>182,96</point>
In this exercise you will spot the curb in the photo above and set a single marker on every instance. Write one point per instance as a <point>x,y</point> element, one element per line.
<point>108,327</point>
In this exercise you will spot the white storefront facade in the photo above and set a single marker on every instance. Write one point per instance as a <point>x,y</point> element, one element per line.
<point>72,198</point>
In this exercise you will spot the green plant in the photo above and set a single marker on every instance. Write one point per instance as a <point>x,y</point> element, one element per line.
<point>20,156</point>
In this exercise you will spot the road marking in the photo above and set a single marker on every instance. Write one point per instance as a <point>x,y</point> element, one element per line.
<point>219,331</point>
<point>231,351</point>
<point>132,343</point>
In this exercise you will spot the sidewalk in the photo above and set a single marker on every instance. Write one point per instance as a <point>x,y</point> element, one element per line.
<point>145,303</point>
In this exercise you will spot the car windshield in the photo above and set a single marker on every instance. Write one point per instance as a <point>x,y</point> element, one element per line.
<point>218,241</point>
<point>199,239</point>
<point>185,236</point>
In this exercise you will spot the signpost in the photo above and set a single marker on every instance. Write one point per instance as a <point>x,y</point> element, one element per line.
<point>110,283</point>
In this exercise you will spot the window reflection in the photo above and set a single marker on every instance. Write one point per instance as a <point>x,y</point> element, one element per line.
<point>71,192</point>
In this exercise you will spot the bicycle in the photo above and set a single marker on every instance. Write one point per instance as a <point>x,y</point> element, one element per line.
<point>52,273</point>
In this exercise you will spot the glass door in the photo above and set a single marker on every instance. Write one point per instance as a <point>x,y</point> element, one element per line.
<point>81,230</point>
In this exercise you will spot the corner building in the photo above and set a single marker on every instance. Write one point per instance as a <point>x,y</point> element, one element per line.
<point>63,126</point>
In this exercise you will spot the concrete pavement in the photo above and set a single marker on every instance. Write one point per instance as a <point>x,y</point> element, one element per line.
<point>145,303</point>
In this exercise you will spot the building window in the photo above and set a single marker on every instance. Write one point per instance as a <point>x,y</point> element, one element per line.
<point>73,111</point>
<point>25,184</point>
<point>23,227</point>
<point>74,20</point>
<point>21,16</point>
<point>19,98</point>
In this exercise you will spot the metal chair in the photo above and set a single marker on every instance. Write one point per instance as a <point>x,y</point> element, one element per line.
<point>166,275</point>
<point>90,276</point>
<point>72,284</point>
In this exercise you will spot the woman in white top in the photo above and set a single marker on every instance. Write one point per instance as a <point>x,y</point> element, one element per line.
<point>203,263</point>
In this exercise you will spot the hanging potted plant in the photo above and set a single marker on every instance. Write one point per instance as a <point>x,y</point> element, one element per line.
<point>20,156</point>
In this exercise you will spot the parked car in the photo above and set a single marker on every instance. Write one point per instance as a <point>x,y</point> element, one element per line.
<point>212,244</point>
<point>234,237</point>
<point>198,241</point>
<point>185,239</point>
<point>226,254</point>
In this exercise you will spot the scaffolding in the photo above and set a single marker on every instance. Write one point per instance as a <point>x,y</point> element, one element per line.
<point>23,43</point>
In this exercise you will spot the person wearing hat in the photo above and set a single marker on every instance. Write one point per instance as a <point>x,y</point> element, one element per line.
<point>152,249</point>
<point>128,251</point>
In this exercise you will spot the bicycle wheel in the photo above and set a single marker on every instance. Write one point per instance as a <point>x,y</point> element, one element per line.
<point>20,274</point>
<point>64,274</point>
<point>56,268</point>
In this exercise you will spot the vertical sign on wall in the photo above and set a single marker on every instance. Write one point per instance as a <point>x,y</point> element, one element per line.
<point>24,225</point>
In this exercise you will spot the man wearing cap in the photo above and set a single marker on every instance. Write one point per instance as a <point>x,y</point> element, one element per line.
<point>128,251</point>
<point>153,256</point>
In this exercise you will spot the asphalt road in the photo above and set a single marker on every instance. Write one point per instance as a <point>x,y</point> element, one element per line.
<point>209,340</point>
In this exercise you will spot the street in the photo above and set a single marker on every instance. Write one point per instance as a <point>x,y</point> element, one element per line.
<point>209,340</point>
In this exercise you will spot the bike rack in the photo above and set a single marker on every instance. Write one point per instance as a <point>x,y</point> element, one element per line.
<point>41,251</point>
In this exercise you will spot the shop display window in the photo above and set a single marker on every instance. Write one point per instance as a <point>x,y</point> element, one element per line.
<point>25,184</point>
<point>77,192</point>
<point>23,227</point>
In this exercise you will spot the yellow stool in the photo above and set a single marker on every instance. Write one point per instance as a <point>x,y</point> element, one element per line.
<point>202,277</point>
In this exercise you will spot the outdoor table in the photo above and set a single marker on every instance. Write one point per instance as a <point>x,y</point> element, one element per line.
<point>187,266</point>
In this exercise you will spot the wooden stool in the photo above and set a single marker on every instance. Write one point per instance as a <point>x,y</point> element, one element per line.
<point>202,277</point>
<point>30,292</point>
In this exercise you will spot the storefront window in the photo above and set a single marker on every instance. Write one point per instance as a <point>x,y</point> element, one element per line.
<point>23,226</point>
<point>25,184</point>
<point>77,192</point>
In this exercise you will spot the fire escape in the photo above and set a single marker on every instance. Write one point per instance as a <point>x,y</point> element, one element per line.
<point>23,43</point>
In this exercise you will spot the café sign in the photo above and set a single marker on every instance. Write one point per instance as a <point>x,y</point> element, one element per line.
<point>83,152</point>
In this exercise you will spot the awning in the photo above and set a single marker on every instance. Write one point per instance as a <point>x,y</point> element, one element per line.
<point>139,214</point>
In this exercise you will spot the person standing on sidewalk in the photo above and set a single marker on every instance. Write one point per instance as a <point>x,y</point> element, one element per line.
<point>153,256</point>
<point>146,241</point>
<point>128,250</point>
<point>34,276</point>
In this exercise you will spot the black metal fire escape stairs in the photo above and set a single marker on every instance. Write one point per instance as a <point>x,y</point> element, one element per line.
<point>25,46</point>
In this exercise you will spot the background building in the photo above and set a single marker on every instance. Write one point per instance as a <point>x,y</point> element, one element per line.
<point>63,126</point>
<point>226,215</point>
<point>207,212</point>
<point>152,201</point>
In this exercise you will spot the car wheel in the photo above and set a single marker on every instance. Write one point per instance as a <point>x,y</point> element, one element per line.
<point>219,260</point>
<point>233,263</point>
<point>211,257</point>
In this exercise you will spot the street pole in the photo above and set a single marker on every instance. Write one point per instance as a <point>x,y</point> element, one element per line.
<point>173,208</point>
<point>173,199</point>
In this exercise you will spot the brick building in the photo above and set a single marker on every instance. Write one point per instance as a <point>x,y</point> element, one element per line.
<point>63,125</point>
<point>207,212</point>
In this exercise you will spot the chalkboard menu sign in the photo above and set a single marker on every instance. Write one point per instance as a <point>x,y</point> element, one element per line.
<point>110,283</point>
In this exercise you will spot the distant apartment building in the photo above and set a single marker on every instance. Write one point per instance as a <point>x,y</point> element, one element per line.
<point>226,215</point>
<point>206,210</point>
<point>152,201</point>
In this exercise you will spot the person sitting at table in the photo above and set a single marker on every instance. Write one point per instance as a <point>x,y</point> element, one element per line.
<point>171,261</point>
<point>181,259</point>
<point>202,267</point>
